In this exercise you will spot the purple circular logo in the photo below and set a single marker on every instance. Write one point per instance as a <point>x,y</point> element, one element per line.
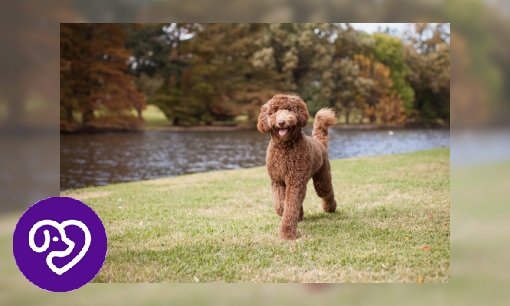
<point>59,244</point>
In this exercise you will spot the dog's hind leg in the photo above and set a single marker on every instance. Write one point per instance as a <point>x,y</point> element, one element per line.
<point>278,197</point>
<point>324,187</point>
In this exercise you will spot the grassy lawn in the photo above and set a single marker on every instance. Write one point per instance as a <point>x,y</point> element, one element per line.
<point>392,225</point>
<point>154,117</point>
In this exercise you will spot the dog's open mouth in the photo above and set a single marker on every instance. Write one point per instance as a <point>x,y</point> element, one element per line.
<point>282,132</point>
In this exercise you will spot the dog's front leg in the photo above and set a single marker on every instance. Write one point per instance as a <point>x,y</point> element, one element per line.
<point>294,195</point>
<point>278,196</point>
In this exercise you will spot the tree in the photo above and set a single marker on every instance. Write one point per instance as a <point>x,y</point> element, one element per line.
<point>222,74</point>
<point>94,79</point>
<point>390,110</point>
<point>148,85</point>
<point>429,61</point>
<point>342,85</point>
<point>300,53</point>
<point>390,52</point>
<point>350,42</point>
<point>382,83</point>
<point>348,89</point>
<point>159,53</point>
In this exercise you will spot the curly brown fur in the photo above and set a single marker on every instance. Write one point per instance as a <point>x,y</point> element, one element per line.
<point>293,158</point>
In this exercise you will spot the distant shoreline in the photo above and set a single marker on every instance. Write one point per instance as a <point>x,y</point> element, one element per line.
<point>336,127</point>
<point>212,128</point>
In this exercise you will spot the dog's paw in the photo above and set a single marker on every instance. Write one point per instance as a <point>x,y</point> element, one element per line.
<point>287,236</point>
<point>329,205</point>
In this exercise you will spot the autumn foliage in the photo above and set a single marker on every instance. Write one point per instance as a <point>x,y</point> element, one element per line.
<point>95,91</point>
<point>208,73</point>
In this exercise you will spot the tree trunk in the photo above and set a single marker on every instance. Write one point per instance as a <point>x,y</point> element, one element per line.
<point>87,117</point>
<point>139,111</point>
<point>347,116</point>
<point>69,114</point>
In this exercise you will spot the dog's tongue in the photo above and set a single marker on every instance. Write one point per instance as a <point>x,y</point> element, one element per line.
<point>282,132</point>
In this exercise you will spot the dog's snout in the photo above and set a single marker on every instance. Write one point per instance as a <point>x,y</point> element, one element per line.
<point>281,122</point>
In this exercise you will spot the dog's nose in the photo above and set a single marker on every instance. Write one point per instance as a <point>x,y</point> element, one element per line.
<point>281,122</point>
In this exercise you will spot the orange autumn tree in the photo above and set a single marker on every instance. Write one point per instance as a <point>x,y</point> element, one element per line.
<point>381,105</point>
<point>96,92</point>
<point>391,110</point>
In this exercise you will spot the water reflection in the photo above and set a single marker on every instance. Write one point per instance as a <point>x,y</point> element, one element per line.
<point>87,160</point>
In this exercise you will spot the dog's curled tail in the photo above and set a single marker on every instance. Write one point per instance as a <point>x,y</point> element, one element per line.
<point>324,119</point>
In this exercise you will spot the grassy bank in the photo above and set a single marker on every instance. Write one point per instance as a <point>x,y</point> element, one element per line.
<point>391,225</point>
<point>155,120</point>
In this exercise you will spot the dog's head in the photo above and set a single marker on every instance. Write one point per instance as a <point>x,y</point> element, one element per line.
<point>283,116</point>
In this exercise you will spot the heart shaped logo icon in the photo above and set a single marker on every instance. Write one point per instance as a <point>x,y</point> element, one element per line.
<point>60,255</point>
<point>70,244</point>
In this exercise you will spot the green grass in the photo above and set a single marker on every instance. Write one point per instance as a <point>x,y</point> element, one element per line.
<point>221,227</point>
<point>154,117</point>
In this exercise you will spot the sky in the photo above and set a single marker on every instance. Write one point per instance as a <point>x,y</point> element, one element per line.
<point>396,29</point>
<point>374,27</point>
<point>370,28</point>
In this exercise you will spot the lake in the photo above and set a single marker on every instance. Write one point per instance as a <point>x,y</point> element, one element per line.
<point>100,159</point>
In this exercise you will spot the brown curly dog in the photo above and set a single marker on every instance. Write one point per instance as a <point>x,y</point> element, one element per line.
<point>293,158</point>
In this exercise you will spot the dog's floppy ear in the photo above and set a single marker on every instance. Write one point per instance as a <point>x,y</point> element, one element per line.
<point>262,124</point>
<point>302,113</point>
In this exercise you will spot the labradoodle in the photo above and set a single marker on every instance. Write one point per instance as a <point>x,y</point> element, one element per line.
<point>293,158</point>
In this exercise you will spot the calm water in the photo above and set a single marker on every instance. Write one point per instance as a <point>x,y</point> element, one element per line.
<point>87,160</point>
